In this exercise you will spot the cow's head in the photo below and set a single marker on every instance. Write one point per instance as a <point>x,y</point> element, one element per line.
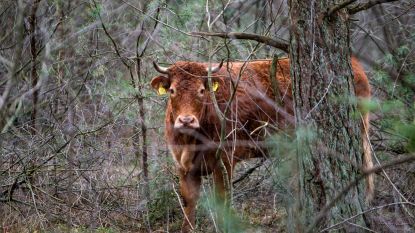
<point>187,85</point>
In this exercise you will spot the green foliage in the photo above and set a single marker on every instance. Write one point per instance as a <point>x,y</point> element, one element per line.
<point>367,105</point>
<point>408,132</point>
<point>95,11</point>
<point>283,150</point>
<point>396,108</point>
<point>161,205</point>
<point>186,14</point>
<point>403,50</point>
<point>390,59</point>
<point>164,204</point>
<point>410,78</point>
<point>226,219</point>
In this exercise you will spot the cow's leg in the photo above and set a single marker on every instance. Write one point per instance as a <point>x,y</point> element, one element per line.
<point>219,181</point>
<point>222,195</point>
<point>190,189</point>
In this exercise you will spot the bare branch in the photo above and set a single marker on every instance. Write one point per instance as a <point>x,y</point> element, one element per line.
<point>364,6</point>
<point>279,44</point>
<point>117,50</point>
<point>249,172</point>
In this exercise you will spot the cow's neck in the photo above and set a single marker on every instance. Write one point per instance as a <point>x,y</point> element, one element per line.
<point>184,150</point>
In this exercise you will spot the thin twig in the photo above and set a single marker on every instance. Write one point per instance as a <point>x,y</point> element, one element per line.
<point>110,37</point>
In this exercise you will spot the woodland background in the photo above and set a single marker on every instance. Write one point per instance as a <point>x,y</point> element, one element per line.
<point>81,141</point>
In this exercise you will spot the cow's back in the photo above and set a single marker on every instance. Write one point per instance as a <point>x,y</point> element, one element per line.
<point>255,100</point>
<point>259,71</point>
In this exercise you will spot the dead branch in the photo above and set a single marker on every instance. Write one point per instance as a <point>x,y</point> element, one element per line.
<point>279,44</point>
<point>248,172</point>
<point>364,6</point>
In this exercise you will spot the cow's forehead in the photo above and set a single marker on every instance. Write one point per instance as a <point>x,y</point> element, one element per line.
<point>187,69</point>
<point>187,73</point>
<point>187,83</point>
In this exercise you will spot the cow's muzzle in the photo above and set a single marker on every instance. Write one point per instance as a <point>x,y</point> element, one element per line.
<point>186,121</point>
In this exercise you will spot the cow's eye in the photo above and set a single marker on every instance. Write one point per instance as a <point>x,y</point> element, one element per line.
<point>171,91</point>
<point>202,91</point>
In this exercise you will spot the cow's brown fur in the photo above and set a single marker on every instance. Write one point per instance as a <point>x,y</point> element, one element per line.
<point>253,105</point>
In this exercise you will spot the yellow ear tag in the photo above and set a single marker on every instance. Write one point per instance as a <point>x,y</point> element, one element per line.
<point>215,86</point>
<point>162,90</point>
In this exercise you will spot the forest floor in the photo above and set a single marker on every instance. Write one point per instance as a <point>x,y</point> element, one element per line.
<point>259,205</point>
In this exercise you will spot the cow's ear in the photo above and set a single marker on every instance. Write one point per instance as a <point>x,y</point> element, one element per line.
<point>160,84</point>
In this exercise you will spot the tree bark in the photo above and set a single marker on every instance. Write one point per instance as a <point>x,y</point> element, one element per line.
<point>329,140</point>
<point>142,124</point>
<point>34,53</point>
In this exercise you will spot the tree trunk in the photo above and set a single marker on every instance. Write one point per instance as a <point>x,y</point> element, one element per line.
<point>34,52</point>
<point>142,122</point>
<point>329,138</point>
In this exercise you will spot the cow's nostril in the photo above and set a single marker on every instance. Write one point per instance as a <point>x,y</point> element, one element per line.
<point>186,119</point>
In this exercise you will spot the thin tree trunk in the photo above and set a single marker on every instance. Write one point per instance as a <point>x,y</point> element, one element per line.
<point>33,53</point>
<point>328,134</point>
<point>143,150</point>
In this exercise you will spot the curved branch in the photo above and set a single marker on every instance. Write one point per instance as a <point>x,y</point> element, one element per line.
<point>279,44</point>
<point>364,6</point>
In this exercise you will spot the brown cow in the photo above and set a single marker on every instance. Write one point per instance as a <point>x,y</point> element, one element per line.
<point>193,127</point>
